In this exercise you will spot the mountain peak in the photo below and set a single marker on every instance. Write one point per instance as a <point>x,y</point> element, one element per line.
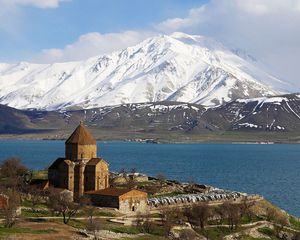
<point>176,67</point>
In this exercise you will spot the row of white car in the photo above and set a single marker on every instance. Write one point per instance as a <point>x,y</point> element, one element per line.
<point>214,195</point>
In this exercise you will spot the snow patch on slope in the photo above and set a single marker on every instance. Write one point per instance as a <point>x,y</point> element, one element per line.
<point>178,67</point>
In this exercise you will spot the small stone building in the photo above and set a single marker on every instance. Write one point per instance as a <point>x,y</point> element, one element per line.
<point>80,170</point>
<point>126,200</point>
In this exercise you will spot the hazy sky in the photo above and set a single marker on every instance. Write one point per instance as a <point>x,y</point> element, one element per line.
<point>66,30</point>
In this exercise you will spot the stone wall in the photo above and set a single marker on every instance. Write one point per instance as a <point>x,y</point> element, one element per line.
<point>89,178</point>
<point>75,151</point>
<point>133,201</point>
<point>60,177</point>
<point>133,206</point>
<point>102,176</point>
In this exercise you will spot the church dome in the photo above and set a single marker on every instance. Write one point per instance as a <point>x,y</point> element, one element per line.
<point>81,136</point>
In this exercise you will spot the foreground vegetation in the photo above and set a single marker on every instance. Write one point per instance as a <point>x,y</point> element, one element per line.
<point>33,213</point>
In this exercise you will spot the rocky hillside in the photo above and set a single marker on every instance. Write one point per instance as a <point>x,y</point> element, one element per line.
<point>281,113</point>
<point>274,114</point>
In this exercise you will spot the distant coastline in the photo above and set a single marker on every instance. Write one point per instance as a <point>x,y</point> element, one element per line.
<point>212,139</point>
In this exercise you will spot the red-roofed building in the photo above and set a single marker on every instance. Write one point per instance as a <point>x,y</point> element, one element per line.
<point>126,200</point>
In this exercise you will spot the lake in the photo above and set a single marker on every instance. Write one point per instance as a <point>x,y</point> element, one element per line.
<point>272,171</point>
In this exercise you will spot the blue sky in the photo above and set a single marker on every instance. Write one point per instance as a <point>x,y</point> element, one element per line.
<point>47,31</point>
<point>42,28</point>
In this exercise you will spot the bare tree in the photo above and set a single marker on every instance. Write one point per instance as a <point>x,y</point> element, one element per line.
<point>36,195</point>
<point>133,170</point>
<point>129,181</point>
<point>62,205</point>
<point>13,171</point>
<point>233,213</point>
<point>191,184</point>
<point>92,225</point>
<point>198,214</point>
<point>139,221</point>
<point>144,223</point>
<point>10,210</point>
<point>202,213</point>
<point>170,217</point>
<point>161,179</point>
<point>246,207</point>
<point>274,214</point>
<point>123,172</point>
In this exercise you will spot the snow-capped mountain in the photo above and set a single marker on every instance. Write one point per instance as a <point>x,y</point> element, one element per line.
<point>178,67</point>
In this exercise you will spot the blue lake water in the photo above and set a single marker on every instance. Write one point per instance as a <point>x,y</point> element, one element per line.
<point>272,171</point>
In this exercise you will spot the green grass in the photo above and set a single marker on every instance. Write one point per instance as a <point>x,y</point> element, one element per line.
<point>246,220</point>
<point>96,214</point>
<point>27,203</point>
<point>294,223</point>
<point>15,230</point>
<point>155,215</point>
<point>217,233</point>
<point>218,222</point>
<point>146,237</point>
<point>171,194</point>
<point>251,238</point>
<point>75,223</point>
<point>40,174</point>
<point>158,231</point>
<point>243,220</point>
<point>30,213</point>
<point>143,184</point>
<point>79,224</point>
<point>125,229</point>
<point>104,214</point>
<point>267,231</point>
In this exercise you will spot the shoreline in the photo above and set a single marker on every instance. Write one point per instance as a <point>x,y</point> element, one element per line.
<point>159,141</point>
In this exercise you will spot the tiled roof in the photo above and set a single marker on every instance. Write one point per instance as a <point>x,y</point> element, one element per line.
<point>56,163</point>
<point>115,192</point>
<point>81,136</point>
<point>95,161</point>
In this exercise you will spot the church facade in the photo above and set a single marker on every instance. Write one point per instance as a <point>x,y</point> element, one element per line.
<point>80,170</point>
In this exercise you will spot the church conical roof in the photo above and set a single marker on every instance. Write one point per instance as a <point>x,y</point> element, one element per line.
<point>81,136</point>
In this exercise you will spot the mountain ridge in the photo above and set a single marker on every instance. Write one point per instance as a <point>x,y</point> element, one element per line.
<point>178,67</point>
<point>267,118</point>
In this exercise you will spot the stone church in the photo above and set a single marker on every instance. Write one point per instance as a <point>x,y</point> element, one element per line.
<point>80,170</point>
